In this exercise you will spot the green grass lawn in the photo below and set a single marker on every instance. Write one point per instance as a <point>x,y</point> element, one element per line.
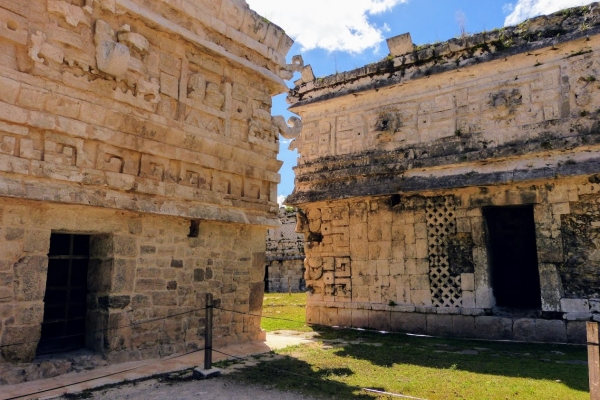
<point>288,308</point>
<point>342,362</point>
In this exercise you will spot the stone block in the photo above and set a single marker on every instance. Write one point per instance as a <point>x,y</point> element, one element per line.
<point>463,326</point>
<point>496,328</point>
<point>408,322</point>
<point>30,278</point>
<point>594,305</point>
<point>439,325</point>
<point>576,332</point>
<point>421,297</point>
<point>380,320</point>
<point>575,305</point>
<point>123,275</point>
<point>419,282</point>
<point>468,299</point>
<point>577,316</point>
<point>400,45</point>
<point>524,330</point>
<point>36,241</point>
<point>313,315</point>
<point>344,317</point>
<point>329,316</point>
<point>29,313</point>
<point>360,318</point>
<point>467,282</point>
<point>553,331</point>
<point>125,246</point>
<point>168,299</point>
<point>113,58</point>
<point>146,284</point>
<point>28,334</point>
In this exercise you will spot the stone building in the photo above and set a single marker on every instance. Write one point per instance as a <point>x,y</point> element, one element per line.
<point>285,255</point>
<point>138,172</point>
<point>454,188</point>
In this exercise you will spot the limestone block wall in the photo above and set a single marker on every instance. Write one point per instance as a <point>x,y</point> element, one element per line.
<point>142,268</point>
<point>285,255</point>
<point>133,105</point>
<point>146,125</point>
<point>378,262</point>
<point>401,159</point>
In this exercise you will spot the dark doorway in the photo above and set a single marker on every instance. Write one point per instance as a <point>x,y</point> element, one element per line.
<point>63,327</point>
<point>266,278</point>
<point>512,246</point>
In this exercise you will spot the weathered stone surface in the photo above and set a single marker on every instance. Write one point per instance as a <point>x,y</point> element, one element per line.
<point>551,331</point>
<point>285,255</point>
<point>401,182</point>
<point>408,322</point>
<point>439,325</point>
<point>493,327</point>
<point>156,142</point>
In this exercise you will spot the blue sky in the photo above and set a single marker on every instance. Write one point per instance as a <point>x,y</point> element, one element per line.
<point>341,35</point>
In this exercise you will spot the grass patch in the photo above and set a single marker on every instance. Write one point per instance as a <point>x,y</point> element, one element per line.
<point>342,362</point>
<point>286,307</point>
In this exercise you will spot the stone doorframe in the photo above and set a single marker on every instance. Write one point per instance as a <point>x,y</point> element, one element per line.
<point>110,284</point>
<point>549,251</point>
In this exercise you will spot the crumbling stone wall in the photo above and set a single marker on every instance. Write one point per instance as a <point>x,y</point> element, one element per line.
<point>285,255</point>
<point>146,125</point>
<point>400,159</point>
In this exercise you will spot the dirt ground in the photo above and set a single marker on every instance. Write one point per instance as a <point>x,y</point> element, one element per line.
<point>221,388</point>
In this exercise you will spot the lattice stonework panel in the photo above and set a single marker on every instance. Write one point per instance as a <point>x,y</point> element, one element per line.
<point>441,223</point>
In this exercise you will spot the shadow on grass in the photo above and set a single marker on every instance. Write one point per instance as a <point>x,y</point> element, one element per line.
<point>522,360</point>
<point>293,375</point>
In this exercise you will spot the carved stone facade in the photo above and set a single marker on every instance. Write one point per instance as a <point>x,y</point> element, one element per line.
<point>428,177</point>
<point>285,256</point>
<point>145,125</point>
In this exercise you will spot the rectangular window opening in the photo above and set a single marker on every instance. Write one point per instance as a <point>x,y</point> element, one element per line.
<point>65,305</point>
<point>513,253</point>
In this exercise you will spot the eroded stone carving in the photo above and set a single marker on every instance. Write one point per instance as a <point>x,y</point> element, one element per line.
<point>133,40</point>
<point>112,57</point>
<point>287,131</point>
<point>72,14</point>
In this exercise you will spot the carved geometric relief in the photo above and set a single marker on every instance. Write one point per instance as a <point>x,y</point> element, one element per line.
<point>62,150</point>
<point>154,167</point>
<point>330,277</point>
<point>195,176</point>
<point>118,160</point>
<point>441,223</point>
<point>350,134</point>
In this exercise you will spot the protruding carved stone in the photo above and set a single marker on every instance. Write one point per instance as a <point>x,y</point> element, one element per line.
<point>296,66</point>
<point>285,130</point>
<point>112,57</point>
<point>72,14</point>
<point>133,40</point>
<point>214,98</point>
<point>149,90</point>
<point>37,40</point>
<point>197,87</point>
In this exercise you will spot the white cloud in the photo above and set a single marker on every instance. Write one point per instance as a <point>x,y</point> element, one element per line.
<point>341,25</point>
<point>525,9</point>
<point>280,200</point>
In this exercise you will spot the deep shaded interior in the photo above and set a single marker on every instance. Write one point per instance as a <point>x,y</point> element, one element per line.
<point>514,264</point>
<point>63,327</point>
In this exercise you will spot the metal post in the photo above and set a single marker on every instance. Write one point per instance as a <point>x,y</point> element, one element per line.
<point>290,285</point>
<point>593,338</point>
<point>208,332</point>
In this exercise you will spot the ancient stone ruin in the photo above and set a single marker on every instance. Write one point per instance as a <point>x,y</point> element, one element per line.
<point>454,189</point>
<point>138,172</point>
<point>284,271</point>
